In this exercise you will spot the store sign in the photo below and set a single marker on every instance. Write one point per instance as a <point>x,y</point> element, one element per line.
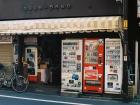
<point>30,40</point>
<point>5,39</point>
<point>113,23</point>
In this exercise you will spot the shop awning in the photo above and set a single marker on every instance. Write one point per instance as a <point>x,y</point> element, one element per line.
<point>61,25</point>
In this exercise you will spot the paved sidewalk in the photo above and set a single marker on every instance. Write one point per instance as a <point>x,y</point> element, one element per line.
<point>13,98</point>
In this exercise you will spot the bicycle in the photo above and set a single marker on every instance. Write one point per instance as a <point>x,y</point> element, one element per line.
<point>16,81</point>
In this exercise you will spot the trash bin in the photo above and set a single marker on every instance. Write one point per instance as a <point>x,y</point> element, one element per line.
<point>131,94</point>
<point>43,75</point>
<point>43,68</point>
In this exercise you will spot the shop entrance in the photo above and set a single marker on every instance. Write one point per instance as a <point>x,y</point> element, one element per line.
<point>43,58</point>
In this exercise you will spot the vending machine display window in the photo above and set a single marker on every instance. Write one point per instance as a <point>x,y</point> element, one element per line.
<point>112,77</point>
<point>71,73</point>
<point>113,66</point>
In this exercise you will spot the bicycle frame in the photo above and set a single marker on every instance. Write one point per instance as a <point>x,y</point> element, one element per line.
<point>13,75</point>
<point>15,81</point>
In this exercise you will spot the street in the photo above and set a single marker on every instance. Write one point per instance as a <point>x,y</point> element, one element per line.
<point>13,98</point>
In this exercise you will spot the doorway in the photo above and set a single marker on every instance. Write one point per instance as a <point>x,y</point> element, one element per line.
<point>45,73</point>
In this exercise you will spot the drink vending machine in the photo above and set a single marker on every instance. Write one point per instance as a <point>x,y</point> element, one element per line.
<point>93,75</point>
<point>71,75</point>
<point>113,66</point>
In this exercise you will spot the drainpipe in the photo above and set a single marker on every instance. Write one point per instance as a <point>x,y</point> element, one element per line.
<point>125,48</point>
<point>136,70</point>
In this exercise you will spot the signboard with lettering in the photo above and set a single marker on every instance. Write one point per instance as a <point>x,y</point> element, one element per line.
<point>30,40</point>
<point>35,9</point>
<point>61,25</point>
<point>5,39</point>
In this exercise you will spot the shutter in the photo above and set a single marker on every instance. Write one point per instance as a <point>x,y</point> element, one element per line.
<point>6,55</point>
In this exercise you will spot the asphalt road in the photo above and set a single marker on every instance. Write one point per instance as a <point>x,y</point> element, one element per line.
<point>13,98</point>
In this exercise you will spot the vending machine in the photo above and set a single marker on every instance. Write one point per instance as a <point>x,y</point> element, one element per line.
<point>113,66</point>
<point>93,75</point>
<point>71,73</point>
<point>31,59</point>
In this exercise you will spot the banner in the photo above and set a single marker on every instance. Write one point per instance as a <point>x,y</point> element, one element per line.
<point>113,23</point>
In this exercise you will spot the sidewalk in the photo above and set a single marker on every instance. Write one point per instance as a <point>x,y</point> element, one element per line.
<point>44,99</point>
<point>136,100</point>
<point>52,93</point>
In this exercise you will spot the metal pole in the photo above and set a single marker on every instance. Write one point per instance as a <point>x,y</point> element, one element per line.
<point>136,68</point>
<point>125,49</point>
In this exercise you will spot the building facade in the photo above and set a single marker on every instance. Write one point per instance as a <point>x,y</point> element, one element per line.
<point>41,34</point>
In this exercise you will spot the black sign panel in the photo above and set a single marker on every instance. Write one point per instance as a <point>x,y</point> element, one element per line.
<point>29,9</point>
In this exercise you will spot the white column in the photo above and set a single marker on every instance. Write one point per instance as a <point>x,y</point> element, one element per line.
<point>136,69</point>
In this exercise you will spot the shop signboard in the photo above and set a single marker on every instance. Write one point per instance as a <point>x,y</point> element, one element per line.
<point>61,25</point>
<point>30,40</point>
<point>5,39</point>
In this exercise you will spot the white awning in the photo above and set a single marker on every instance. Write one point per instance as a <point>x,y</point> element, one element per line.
<point>61,25</point>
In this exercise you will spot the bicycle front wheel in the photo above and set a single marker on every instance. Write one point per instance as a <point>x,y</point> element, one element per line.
<point>20,84</point>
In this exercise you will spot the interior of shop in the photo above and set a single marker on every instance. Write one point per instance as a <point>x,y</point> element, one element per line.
<point>43,58</point>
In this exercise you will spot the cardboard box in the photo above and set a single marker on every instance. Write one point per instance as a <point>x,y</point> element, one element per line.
<point>43,66</point>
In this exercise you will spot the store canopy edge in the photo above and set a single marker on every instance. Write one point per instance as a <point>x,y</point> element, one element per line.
<point>62,25</point>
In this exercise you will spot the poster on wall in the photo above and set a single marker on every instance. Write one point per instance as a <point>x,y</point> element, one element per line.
<point>93,75</point>
<point>71,73</point>
<point>113,66</point>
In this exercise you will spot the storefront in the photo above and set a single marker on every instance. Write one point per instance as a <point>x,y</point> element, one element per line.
<point>42,48</point>
<point>42,53</point>
<point>56,40</point>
